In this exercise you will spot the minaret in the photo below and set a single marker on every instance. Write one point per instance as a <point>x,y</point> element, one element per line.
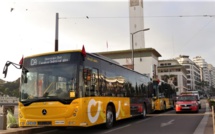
<point>136,23</point>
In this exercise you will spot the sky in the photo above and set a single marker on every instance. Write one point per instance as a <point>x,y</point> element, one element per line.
<point>177,27</point>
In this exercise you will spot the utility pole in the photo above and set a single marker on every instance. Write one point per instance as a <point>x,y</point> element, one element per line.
<point>132,41</point>
<point>56,33</point>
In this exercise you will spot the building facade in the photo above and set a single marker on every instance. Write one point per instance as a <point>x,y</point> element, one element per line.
<point>171,70</point>
<point>193,72</point>
<point>212,75</point>
<point>145,60</point>
<point>204,72</point>
<point>136,22</point>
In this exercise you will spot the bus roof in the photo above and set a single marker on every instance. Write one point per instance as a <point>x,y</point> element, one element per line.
<point>91,54</point>
<point>54,52</point>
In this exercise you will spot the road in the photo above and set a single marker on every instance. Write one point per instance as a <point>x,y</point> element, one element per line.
<point>158,123</point>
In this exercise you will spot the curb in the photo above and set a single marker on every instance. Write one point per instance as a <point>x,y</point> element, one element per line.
<point>29,130</point>
<point>202,125</point>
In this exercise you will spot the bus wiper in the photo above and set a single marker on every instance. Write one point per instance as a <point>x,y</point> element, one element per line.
<point>26,103</point>
<point>45,94</point>
<point>64,101</point>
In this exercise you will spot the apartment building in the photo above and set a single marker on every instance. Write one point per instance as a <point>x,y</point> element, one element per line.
<point>204,72</point>
<point>212,75</point>
<point>172,71</point>
<point>193,72</point>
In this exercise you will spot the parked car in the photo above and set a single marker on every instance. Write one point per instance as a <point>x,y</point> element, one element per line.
<point>187,103</point>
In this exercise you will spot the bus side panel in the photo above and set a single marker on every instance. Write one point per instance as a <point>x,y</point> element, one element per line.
<point>96,109</point>
<point>158,104</point>
<point>169,103</point>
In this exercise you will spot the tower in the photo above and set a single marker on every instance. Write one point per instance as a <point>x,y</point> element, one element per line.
<point>136,23</point>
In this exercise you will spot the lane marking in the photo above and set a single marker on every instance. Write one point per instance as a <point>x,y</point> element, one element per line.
<point>167,123</point>
<point>137,122</point>
<point>180,114</point>
<point>117,129</point>
<point>50,131</point>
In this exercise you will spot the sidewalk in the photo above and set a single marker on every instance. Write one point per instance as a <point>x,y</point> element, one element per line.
<point>206,124</point>
<point>209,126</point>
<point>30,130</point>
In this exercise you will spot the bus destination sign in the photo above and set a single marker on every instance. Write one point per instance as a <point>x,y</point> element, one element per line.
<point>51,59</point>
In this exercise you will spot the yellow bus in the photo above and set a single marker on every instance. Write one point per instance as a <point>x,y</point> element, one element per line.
<point>164,95</point>
<point>75,88</point>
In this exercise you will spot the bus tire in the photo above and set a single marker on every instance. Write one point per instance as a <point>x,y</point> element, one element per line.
<point>109,117</point>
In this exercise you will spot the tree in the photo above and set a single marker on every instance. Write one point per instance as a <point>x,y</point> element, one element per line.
<point>10,88</point>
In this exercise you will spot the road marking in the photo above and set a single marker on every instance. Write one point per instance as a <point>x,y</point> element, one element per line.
<point>166,124</point>
<point>50,131</point>
<point>142,121</point>
<point>117,129</point>
<point>181,114</point>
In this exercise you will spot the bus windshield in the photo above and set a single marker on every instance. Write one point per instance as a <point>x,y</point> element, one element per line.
<point>48,82</point>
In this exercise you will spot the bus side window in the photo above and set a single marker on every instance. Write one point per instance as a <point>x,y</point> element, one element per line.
<point>90,77</point>
<point>94,83</point>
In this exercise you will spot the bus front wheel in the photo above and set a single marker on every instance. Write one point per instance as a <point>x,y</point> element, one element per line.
<point>109,117</point>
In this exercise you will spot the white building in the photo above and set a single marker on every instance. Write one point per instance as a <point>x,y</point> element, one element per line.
<point>136,23</point>
<point>171,70</point>
<point>193,72</point>
<point>212,75</point>
<point>145,60</point>
<point>139,58</point>
<point>204,71</point>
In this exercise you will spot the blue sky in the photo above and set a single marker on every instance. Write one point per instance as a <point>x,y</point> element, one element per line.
<point>176,27</point>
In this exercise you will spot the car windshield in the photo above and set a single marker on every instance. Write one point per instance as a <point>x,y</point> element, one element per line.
<point>187,98</point>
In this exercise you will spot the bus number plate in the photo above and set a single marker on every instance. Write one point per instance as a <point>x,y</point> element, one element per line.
<point>44,123</point>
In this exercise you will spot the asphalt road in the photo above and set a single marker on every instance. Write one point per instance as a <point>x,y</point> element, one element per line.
<point>158,123</point>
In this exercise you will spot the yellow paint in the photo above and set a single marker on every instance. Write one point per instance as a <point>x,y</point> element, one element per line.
<point>75,114</point>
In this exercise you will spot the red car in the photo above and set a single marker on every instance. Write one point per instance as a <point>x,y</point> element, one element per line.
<point>187,103</point>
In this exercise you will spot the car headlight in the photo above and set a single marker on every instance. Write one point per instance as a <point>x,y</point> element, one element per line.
<point>194,104</point>
<point>177,105</point>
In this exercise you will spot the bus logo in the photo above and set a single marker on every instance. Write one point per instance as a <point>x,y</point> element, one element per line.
<point>44,112</point>
<point>93,119</point>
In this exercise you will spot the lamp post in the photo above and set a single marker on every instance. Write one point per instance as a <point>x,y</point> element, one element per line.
<point>132,41</point>
<point>56,32</point>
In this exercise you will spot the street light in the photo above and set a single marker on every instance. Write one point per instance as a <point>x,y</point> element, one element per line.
<point>56,32</point>
<point>132,36</point>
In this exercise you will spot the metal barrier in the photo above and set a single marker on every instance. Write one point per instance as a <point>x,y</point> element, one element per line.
<point>3,122</point>
<point>212,107</point>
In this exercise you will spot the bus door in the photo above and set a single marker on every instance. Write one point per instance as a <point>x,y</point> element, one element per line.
<point>91,82</point>
<point>156,89</point>
<point>90,90</point>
